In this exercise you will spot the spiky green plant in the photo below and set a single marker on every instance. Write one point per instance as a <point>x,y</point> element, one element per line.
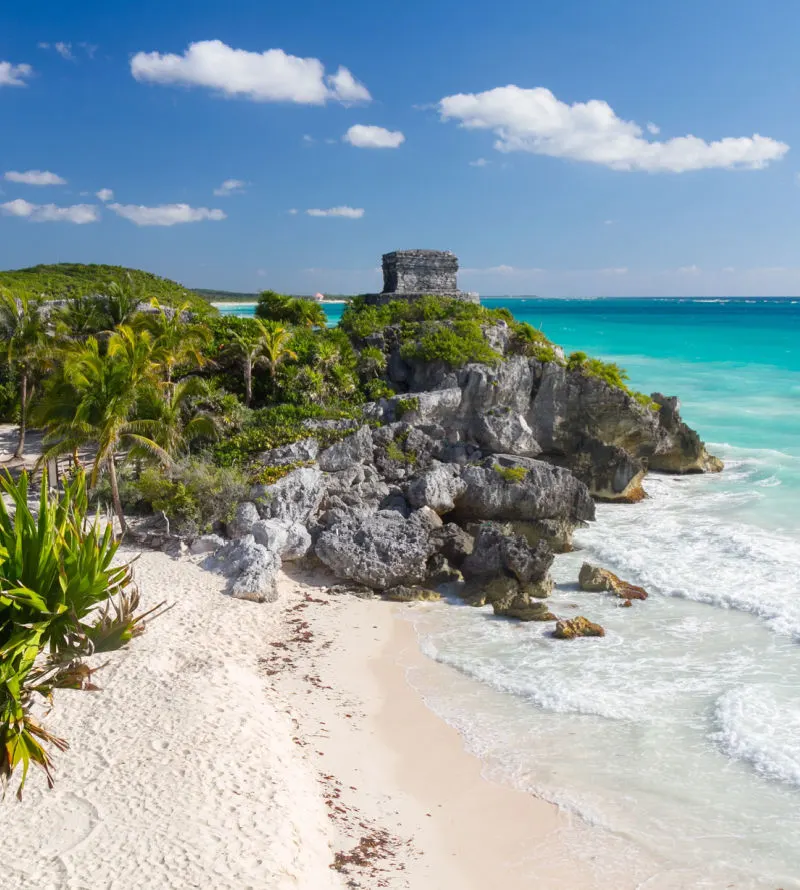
<point>56,570</point>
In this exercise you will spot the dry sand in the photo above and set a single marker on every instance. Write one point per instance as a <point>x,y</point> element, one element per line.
<point>238,745</point>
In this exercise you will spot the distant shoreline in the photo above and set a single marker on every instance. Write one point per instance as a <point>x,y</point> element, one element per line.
<point>218,304</point>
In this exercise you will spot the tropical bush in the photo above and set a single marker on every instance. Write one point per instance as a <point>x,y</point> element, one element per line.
<point>610,373</point>
<point>512,475</point>
<point>62,599</point>
<point>455,344</point>
<point>290,310</point>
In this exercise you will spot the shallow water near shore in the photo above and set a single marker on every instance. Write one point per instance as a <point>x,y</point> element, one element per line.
<point>678,734</point>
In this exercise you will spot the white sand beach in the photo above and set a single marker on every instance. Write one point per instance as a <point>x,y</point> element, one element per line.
<point>240,745</point>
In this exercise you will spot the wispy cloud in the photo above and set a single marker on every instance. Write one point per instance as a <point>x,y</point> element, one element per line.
<point>345,212</point>
<point>77,213</point>
<point>165,214</point>
<point>480,162</point>
<point>14,75</point>
<point>34,177</point>
<point>105,195</point>
<point>230,187</point>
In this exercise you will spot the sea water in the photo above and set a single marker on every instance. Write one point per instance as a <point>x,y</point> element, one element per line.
<point>677,735</point>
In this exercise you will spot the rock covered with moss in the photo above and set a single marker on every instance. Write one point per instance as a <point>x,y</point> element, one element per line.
<point>571,628</point>
<point>594,578</point>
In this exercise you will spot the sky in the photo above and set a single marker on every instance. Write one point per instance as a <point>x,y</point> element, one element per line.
<point>575,148</point>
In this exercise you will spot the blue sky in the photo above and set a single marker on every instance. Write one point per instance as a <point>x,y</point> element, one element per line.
<point>489,147</point>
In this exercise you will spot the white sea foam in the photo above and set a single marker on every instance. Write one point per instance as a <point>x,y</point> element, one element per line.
<point>754,727</point>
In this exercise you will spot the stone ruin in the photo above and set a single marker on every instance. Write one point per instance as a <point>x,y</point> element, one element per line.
<point>411,274</point>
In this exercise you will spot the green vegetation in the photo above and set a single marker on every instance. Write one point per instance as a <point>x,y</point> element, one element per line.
<point>403,406</point>
<point>610,373</point>
<point>61,599</point>
<point>63,281</point>
<point>290,310</point>
<point>512,475</point>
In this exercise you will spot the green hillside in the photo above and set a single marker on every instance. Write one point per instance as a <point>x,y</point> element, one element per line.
<point>63,280</point>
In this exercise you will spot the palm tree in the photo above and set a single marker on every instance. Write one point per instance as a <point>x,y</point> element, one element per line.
<point>105,388</point>
<point>264,344</point>
<point>122,300</point>
<point>310,314</point>
<point>176,342</point>
<point>22,325</point>
<point>166,416</point>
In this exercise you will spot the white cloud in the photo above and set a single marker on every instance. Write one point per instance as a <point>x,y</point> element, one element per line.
<point>308,139</point>
<point>729,269</point>
<point>165,214</point>
<point>89,48</point>
<point>615,270</point>
<point>608,222</point>
<point>689,270</point>
<point>534,120</point>
<point>293,211</point>
<point>653,129</point>
<point>367,136</point>
<point>14,75</point>
<point>105,195</point>
<point>480,162</point>
<point>77,213</point>
<point>35,177</point>
<point>230,187</point>
<point>271,76</point>
<point>347,212</point>
<point>64,50</point>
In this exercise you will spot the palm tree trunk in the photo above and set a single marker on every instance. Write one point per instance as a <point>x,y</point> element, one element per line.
<point>23,415</point>
<point>115,498</point>
<point>248,380</point>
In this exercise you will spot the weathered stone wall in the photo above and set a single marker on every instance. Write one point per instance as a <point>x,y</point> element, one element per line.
<point>420,271</point>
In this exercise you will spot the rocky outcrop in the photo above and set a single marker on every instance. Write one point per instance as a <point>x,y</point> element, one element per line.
<point>206,544</point>
<point>686,452</point>
<point>355,449</point>
<point>290,540</point>
<point>379,550</point>
<point>244,517</point>
<point>250,568</point>
<point>438,487</point>
<point>411,594</point>
<point>533,490</point>
<point>570,628</point>
<point>294,498</point>
<point>594,578</point>
<point>295,453</point>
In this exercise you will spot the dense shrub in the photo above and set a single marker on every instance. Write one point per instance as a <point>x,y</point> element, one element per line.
<point>512,475</point>
<point>455,344</point>
<point>273,306</point>
<point>610,373</point>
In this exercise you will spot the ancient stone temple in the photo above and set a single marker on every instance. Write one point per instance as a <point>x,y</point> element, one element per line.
<point>410,274</point>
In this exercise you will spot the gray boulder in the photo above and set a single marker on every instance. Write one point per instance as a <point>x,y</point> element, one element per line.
<point>355,449</point>
<point>533,490</point>
<point>290,541</point>
<point>250,568</point>
<point>294,498</point>
<point>357,486</point>
<point>505,432</point>
<point>294,453</point>
<point>437,488</point>
<point>242,522</point>
<point>206,544</point>
<point>377,550</point>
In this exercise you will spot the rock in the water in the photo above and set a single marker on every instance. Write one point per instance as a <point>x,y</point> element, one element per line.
<point>681,449</point>
<point>437,488</point>
<point>441,572</point>
<point>610,472</point>
<point>355,449</point>
<point>242,522</point>
<point>404,594</point>
<point>379,550</point>
<point>570,628</point>
<point>499,551</point>
<point>294,453</point>
<point>453,543</point>
<point>522,608</point>
<point>594,578</point>
<point>206,544</point>
<point>294,498</point>
<point>250,568</point>
<point>534,490</point>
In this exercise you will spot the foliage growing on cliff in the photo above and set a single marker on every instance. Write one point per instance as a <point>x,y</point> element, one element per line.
<point>455,344</point>
<point>530,341</point>
<point>512,475</point>
<point>610,373</point>
<point>56,572</point>
<point>403,406</point>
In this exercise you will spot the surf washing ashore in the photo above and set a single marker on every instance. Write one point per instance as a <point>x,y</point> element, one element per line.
<point>298,743</point>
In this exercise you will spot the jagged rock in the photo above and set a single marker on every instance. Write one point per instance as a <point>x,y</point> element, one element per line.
<point>401,451</point>
<point>294,453</point>
<point>521,608</point>
<point>404,594</point>
<point>568,629</point>
<point>242,523</point>
<point>441,572</point>
<point>687,453</point>
<point>250,568</point>
<point>379,550</point>
<point>356,486</point>
<point>206,544</point>
<point>437,488</point>
<point>453,543</point>
<point>291,541</point>
<point>355,449</point>
<point>498,551</point>
<point>609,472</point>
<point>543,492</point>
<point>556,533</point>
<point>505,432</point>
<point>594,578</point>
<point>294,498</point>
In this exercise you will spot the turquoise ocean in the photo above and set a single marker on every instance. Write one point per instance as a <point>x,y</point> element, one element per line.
<point>673,742</point>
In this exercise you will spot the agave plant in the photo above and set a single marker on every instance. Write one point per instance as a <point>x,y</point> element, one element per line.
<point>62,598</point>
